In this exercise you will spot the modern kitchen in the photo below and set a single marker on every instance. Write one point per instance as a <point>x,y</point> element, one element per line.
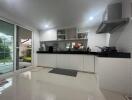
<point>89,50</point>
<point>81,51</point>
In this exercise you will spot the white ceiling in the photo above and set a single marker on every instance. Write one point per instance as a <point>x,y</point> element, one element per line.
<point>56,13</point>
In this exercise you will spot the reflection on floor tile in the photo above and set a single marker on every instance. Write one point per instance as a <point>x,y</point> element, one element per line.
<point>38,84</point>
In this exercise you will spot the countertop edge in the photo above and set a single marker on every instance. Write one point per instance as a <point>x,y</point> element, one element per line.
<point>103,55</point>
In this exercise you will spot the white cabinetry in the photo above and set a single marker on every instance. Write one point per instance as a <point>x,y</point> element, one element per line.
<point>88,63</point>
<point>76,62</point>
<point>47,60</point>
<point>113,74</point>
<point>68,61</point>
<point>62,61</point>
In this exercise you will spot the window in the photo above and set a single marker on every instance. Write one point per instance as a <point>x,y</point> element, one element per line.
<point>6,47</point>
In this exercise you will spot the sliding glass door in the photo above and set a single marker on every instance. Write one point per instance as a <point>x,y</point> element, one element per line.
<point>6,47</point>
<point>14,55</point>
<point>23,48</point>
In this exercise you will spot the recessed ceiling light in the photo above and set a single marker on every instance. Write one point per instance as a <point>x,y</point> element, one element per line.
<point>91,18</point>
<point>46,26</point>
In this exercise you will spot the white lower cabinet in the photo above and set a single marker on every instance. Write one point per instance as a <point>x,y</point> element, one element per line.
<point>68,61</point>
<point>62,61</point>
<point>47,60</point>
<point>88,63</point>
<point>76,62</point>
<point>114,74</point>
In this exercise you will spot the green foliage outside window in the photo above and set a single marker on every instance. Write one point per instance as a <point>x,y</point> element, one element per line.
<point>4,51</point>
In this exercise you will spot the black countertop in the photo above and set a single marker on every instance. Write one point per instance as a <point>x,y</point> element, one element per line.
<point>115,55</point>
<point>69,52</point>
<point>99,54</point>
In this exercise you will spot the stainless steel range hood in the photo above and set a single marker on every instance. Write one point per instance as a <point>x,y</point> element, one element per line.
<point>112,19</point>
<point>111,26</point>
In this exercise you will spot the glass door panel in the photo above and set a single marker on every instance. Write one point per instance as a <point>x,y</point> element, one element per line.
<point>24,48</point>
<point>6,47</point>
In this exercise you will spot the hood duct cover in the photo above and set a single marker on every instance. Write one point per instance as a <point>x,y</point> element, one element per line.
<point>112,19</point>
<point>110,26</point>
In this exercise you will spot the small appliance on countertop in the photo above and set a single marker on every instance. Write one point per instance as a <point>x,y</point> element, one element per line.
<point>106,49</point>
<point>112,52</point>
<point>50,49</point>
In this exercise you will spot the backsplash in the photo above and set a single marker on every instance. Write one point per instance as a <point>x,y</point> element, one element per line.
<point>64,45</point>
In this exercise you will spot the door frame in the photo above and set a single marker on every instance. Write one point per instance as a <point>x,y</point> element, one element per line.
<point>15,55</point>
<point>15,32</point>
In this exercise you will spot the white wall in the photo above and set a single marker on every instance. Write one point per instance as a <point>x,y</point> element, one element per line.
<point>123,38</point>
<point>48,35</point>
<point>36,44</point>
<point>97,40</point>
<point>23,23</point>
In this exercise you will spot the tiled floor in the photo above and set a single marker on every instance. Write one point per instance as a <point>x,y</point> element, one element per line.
<point>38,84</point>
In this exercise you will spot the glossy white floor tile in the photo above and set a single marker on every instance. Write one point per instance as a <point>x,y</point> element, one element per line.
<point>38,84</point>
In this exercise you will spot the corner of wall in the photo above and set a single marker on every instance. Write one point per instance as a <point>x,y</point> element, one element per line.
<point>36,41</point>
